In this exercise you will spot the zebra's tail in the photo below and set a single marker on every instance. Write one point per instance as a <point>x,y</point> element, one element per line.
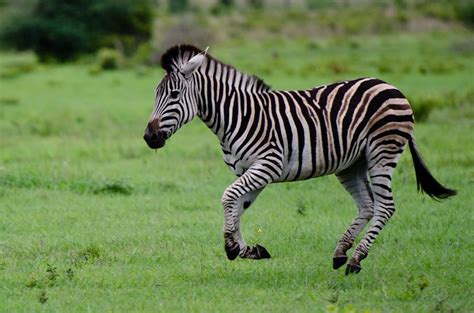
<point>424,180</point>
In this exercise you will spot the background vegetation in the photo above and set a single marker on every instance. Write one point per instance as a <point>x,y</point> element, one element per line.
<point>92,220</point>
<point>62,30</point>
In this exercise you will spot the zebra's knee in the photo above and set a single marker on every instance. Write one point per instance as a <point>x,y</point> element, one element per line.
<point>227,199</point>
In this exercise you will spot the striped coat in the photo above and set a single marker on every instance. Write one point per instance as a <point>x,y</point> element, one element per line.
<point>354,129</point>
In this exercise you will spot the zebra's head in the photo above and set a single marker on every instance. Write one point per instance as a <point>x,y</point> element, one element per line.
<point>176,96</point>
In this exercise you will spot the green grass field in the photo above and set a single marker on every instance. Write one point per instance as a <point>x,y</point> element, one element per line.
<point>92,220</point>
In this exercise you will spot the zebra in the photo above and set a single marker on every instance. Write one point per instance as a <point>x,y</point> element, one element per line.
<point>356,129</point>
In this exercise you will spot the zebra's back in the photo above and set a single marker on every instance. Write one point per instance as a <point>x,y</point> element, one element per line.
<point>326,129</point>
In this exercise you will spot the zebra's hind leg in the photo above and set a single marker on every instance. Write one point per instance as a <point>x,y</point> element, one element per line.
<point>381,169</point>
<point>355,181</point>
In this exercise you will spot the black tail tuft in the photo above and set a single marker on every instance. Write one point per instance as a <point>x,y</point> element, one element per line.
<point>425,181</point>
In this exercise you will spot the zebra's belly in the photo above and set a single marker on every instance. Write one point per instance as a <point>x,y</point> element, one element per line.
<point>306,166</point>
<point>293,172</point>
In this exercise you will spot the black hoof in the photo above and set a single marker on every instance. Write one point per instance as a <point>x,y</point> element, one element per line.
<point>353,268</point>
<point>256,253</point>
<point>261,252</point>
<point>232,252</point>
<point>339,261</point>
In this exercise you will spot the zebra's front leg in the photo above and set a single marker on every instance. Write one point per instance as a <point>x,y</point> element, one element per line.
<point>234,242</point>
<point>236,199</point>
<point>256,252</point>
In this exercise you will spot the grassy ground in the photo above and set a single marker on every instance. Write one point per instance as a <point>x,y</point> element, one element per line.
<point>92,220</point>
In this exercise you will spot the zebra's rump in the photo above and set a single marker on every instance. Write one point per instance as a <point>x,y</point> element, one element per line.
<point>326,129</point>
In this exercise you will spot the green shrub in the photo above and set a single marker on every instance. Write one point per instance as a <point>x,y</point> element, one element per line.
<point>143,55</point>
<point>15,65</point>
<point>465,13</point>
<point>178,6</point>
<point>439,10</point>
<point>109,59</point>
<point>227,3</point>
<point>422,107</point>
<point>222,7</point>
<point>57,29</point>
<point>9,101</point>
<point>256,4</point>
<point>318,4</point>
<point>337,66</point>
<point>114,187</point>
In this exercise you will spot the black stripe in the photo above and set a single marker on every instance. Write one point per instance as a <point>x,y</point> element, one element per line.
<point>289,134</point>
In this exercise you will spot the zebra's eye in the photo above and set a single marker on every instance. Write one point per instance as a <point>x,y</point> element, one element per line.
<point>174,94</point>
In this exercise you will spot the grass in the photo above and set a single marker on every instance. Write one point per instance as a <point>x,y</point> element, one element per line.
<point>92,220</point>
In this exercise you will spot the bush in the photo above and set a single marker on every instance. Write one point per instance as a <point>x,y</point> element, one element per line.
<point>318,4</point>
<point>63,29</point>
<point>178,6</point>
<point>109,59</point>
<point>222,6</point>
<point>185,30</point>
<point>465,13</point>
<point>143,55</point>
<point>422,107</point>
<point>16,65</point>
<point>256,4</point>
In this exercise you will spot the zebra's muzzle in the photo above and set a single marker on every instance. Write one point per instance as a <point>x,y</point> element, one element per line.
<point>155,140</point>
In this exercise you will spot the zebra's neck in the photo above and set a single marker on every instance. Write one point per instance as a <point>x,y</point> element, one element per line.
<point>224,90</point>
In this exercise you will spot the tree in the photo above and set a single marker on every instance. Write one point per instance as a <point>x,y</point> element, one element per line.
<point>178,6</point>
<point>256,4</point>
<point>64,29</point>
<point>226,3</point>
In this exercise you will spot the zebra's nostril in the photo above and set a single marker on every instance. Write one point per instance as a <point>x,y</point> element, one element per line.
<point>154,140</point>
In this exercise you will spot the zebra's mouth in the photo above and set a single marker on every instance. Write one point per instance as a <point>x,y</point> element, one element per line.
<point>156,140</point>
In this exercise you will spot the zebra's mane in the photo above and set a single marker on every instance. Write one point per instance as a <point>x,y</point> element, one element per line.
<point>177,55</point>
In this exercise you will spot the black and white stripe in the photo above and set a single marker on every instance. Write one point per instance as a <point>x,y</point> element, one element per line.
<point>354,129</point>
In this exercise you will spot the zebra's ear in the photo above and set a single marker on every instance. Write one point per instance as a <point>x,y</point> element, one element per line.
<point>188,68</point>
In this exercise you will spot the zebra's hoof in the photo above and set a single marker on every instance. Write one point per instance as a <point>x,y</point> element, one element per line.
<point>338,261</point>
<point>261,252</point>
<point>353,268</point>
<point>232,252</point>
<point>256,253</point>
